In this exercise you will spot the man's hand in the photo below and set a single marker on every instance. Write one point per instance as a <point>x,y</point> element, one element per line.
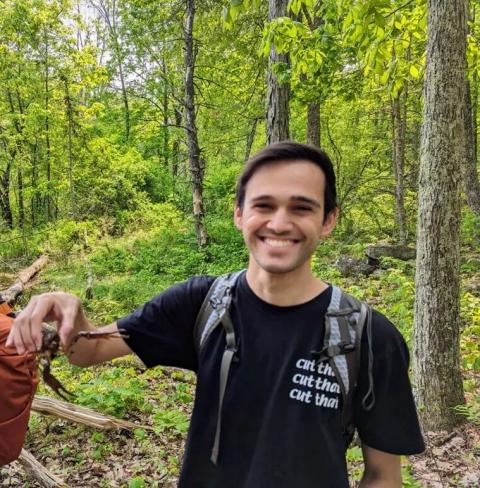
<point>66,310</point>
<point>62,308</point>
<point>382,470</point>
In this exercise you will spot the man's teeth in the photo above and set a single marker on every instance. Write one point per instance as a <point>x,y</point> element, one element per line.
<point>278,242</point>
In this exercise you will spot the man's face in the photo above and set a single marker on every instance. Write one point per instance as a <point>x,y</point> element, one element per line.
<point>282,219</point>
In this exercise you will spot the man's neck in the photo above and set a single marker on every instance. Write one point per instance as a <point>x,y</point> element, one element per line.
<point>284,289</point>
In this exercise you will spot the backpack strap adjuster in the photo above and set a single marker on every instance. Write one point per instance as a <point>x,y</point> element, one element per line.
<point>331,351</point>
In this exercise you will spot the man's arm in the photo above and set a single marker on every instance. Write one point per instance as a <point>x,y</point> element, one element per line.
<point>66,310</point>
<point>382,470</point>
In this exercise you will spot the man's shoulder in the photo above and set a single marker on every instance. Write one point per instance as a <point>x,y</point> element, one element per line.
<point>386,337</point>
<point>195,287</point>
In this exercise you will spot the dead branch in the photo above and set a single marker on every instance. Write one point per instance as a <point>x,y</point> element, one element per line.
<point>38,472</point>
<point>75,413</point>
<point>11,294</point>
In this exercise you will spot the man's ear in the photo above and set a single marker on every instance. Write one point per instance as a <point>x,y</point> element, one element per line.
<point>237,217</point>
<point>330,222</point>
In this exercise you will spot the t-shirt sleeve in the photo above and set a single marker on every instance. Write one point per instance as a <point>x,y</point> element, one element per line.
<point>392,424</point>
<point>161,331</point>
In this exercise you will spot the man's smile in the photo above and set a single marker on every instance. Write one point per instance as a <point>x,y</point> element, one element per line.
<point>278,243</point>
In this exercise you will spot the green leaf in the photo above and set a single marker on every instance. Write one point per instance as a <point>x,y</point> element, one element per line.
<point>414,72</point>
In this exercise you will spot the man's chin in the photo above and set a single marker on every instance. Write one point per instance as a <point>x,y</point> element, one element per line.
<point>277,269</point>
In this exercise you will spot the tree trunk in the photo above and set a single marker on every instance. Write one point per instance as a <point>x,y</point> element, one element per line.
<point>197,163</point>
<point>35,200</point>
<point>251,138</point>
<point>5,208</point>
<point>437,373</point>
<point>399,125</point>
<point>277,94</point>
<point>471,184</point>
<point>313,124</point>
<point>176,148</point>
<point>166,142</point>
<point>48,167</point>
<point>474,99</point>
<point>70,127</point>
<point>19,129</point>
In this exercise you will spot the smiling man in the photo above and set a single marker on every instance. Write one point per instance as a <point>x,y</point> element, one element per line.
<point>274,417</point>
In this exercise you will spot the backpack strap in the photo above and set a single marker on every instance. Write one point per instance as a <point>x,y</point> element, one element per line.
<point>215,310</point>
<point>344,323</point>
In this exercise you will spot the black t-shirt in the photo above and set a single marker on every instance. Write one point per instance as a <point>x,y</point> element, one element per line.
<point>281,417</point>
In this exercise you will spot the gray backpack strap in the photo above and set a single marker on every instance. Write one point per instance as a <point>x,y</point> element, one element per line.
<point>344,323</point>
<point>215,310</point>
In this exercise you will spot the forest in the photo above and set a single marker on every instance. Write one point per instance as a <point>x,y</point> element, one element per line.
<point>124,125</point>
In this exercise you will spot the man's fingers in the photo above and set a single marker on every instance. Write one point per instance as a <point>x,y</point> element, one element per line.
<point>26,332</point>
<point>66,326</point>
<point>20,333</point>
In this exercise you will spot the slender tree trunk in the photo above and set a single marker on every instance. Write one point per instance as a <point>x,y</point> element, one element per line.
<point>176,148</point>
<point>70,127</point>
<point>251,138</point>
<point>277,94</point>
<point>17,152</point>
<point>197,163</point>
<point>437,373</point>
<point>5,208</point>
<point>471,183</point>
<point>313,124</point>
<point>48,167</point>
<point>21,204</point>
<point>166,142</point>
<point>474,97</point>
<point>399,125</point>
<point>35,199</point>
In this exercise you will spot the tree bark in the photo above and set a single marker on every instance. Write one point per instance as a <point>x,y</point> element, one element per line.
<point>176,148</point>
<point>19,130</point>
<point>48,164</point>
<point>251,138</point>
<point>277,94</point>
<point>197,163</point>
<point>82,415</point>
<point>37,472</point>
<point>437,375</point>
<point>166,141</point>
<point>5,207</point>
<point>471,184</point>
<point>24,276</point>
<point>69,112</point>
<point>313,124</point>
<point>399,124</point>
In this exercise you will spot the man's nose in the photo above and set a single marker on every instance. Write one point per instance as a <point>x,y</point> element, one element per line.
<point>280,222</point>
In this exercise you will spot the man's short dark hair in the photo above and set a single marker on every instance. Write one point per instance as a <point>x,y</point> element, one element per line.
<point>290,151</point>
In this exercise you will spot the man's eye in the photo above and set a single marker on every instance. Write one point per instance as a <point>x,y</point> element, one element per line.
<point>262,205</point>
<point>303,209</point>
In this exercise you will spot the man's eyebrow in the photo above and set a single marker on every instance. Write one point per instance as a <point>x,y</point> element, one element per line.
<point>310,201</point>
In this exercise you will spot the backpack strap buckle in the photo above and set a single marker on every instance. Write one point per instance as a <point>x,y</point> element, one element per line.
<point>331,351</point>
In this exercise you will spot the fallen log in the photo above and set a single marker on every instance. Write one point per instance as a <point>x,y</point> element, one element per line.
<point>75,413</point>
<point>11,294</point>
<point>38,472</point>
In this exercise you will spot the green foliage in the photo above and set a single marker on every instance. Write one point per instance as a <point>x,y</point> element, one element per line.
<point>471,410</point>
<point>115,392</point>
<point>174,420</point>
<point>137,482</point>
